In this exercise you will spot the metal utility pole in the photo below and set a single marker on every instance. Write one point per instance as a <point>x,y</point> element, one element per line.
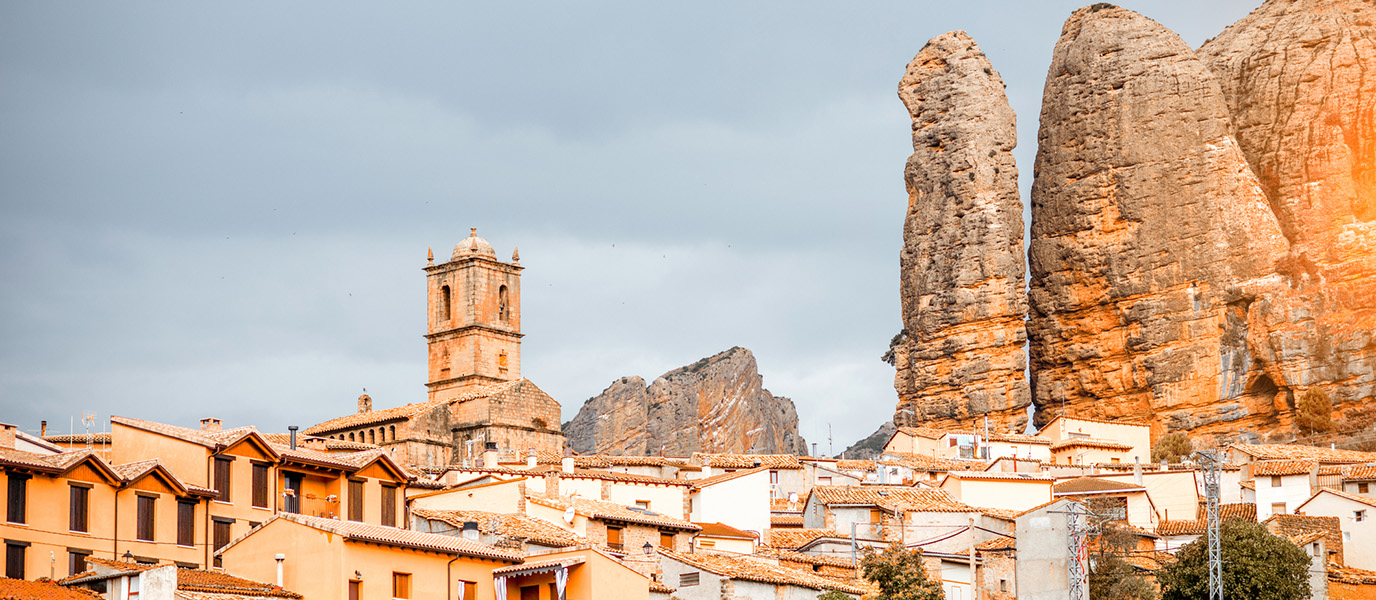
<point>1076,527</point>
<point>974,581</point>
<point>1210,461</point>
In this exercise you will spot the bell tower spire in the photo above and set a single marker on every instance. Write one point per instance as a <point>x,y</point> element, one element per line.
<point>474,319</point>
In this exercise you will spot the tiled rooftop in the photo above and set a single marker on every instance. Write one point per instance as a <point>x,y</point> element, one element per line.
<point>611,511</point>
<point>1236,510</point>
<point>1083,485</point>
<point>1348,496</point>
<point>1090,443</point>
<point>405,411</point>
<point>79,438</point>
<point>922,432</point>
<point>516,526</point>
<point>209,439</point>
<point>892,497</point>
<point>855,465</point>
<point>48,463</point>
<point>723,530</point>
<point>746,461</point>
<point>1351,575</point>
<point>1002,476</point>
<point>602,461</point>
<point>724,477</point>
<point>1359,473</point>
<point>1181,527</point>
<point>755,569</point>
<point>919,462</point>
<point>1293,526</point>
<point>792,539</point>
<point>997,544</point>
<point>392,536</point>
<point>1265,468</point>
<point>1298,452</point>
<point>215,582</point>
<point>284,439</point>
<point>19,589</point>
<point>786,520</point>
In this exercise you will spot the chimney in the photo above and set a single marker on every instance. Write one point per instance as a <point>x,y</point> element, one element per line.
<point>470,530</point>
<point>1137,470</point>
<point>42,429</point>
<point>279,558</point>
<point>211,424</point>
<point>1163,465</point>
<point>489,455</point>
<point>365,404</point>
<point>566,465</point>
<point>292,442</point>
<point>531,460</point>
<point>7,435</point>
<point>551,483</point>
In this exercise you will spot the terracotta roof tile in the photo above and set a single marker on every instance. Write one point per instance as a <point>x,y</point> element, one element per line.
<point>284,440</point>
<point>406,411</point>
<point>48,463</point>
<point>1359,473</point>
<point>611,511</point>
<point>784,505</point>
<point>1351,575</point>
<point>209,439</point>
<point>1298,452</point>
<point>506,525</point>
<point>724,477</point>
<point>658,587</point>
<point>1181,527</point>
<point>79,438</point>
<point>196,580</point>
<point>804,559</point>
<point>1002,476</point>
<point>1236,510</point>
<point>892,497</point>
<point>1010,438</point>
<point>539,564</point>
<point>1091,420</point>
<point>1248,485</point>
<point>605,460</point>
<point>997,544</point>
<point>746,461</point>
<point>1083,485</point>
<point>922,432</point>
<point>620,477</point>
<point>795,538</point>
<point>1346,495</point>
<point>919,462</point>
<point>755,569</point>
<point>135,470</point>
<point>1294,526</point>
<point>1090,443</point>
<point>19,589</point>
<point>404,538</point>
<point>1265,468</point>
<point>855,465</point>
<point>786,520</point>
<point>723,530</point>
<point>999,513</point>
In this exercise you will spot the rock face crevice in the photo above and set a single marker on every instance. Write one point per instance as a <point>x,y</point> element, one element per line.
<point>717,404</point>
<point>962,273</point>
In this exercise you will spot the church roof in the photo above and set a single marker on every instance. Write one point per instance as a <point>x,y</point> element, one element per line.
<point>473,246</point>
<point>406,411</point>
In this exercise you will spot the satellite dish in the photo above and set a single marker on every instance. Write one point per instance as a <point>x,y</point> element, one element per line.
<point>568,515</point>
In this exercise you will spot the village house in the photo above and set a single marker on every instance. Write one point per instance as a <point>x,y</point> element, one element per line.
<point>715,576</point>
<point>624,530</point>
<point>666,496</point>
<point>1356,517</point>
<point>1360,480</point>
<point>335,559</point>
<point>786,474</point>
<point>979,445</point>
<point>1136,436</point>
<point>1111,500</point>
<point>901,514</point>
<point>825,471</point>
<point>573,574</point>
<point>738,498</point>
<point>1282,485</point>
<point>722,538</point>
<point>1174,533</point>
<point>1088,451</point>
<point>650,466</point>
<point>528,535</point>
<point>1174,492</point>
<point>1012,491</point>
<point>119,580</point>
<point>1294,526</point>
<point>920,441</point>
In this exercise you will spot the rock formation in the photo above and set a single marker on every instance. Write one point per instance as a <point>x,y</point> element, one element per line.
<point>872,445</point>
<point>1150,234</point>
<point>717,404</point>
<point>962,266</point>
<point>1302,111</point>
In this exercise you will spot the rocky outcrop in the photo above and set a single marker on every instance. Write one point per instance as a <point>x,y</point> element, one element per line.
<point>872,445</point>
<point>961,355</point>
<point>1149,231</point>
<point>717,404</point>
<point>1303,112</point>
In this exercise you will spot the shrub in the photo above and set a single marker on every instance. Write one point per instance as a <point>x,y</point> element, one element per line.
<point>1315,411</point>
<point>1256,565</point>
<point>1172,447</point>
<point>899,574</point>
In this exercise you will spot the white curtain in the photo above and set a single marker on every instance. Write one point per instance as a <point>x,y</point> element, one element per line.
<point>463,588</point>
<point>499,583</point>
<point>561,578</point>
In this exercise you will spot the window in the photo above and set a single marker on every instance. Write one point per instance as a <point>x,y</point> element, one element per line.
<point>351,436</point>
<point>530,592</point>
<point>222,527</point>
<point>875,515</point>
<point>706,543</point>
<point>1278,508</point>
<point>354,593</point>
<point>292,495</point>
<point>614,538</point>
<point>774,478</point>
<point>666,540</point>
<point>17,510</point>
<point>372,436</point>
<point>76,560</point>
<point>1003,583</point>
<point>392,432</point>
<point>186,522</point>
<point>401,586</point>
<point>1359,515</point>
<point>687,579</point>
<point>823,481</point>
<point>260,485</point>
<point>645,504</point>
<point>1275,480</point>
<point>355,500</point>
<point>389,505</point>
<point>1363,488</point>
<point>445,299</point>
<point>222,465</point>
<point>80,507</point>
<point>1114,460</point>
<point>144,522</point>
<point>14,558</point>
<point>503,310</point>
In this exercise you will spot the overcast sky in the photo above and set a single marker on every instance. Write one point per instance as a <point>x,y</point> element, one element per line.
<point>223,209</point>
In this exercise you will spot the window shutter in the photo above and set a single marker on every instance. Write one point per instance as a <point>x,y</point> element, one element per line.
<point>18,498</point>
<point>145,518</point>
<point>356,500</point>
<point>186,523</point>
<point>80,508</point>
<point>260,486</point>
<point>222,478</point>
<point>389,505</point>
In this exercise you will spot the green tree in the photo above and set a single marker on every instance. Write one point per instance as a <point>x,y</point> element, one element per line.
<point>1172,447</point>
<point>1256,565</point>
<point>1111,577</point>
<point>899,574</point>
<point>1315,411</point>
<point>834,595</point>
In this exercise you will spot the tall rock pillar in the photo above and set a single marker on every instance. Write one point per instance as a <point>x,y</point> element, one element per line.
<point>962,276</point>
<point>1150,235</point>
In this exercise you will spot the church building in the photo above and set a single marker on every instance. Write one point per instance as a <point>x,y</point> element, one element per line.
<point>476,395</point>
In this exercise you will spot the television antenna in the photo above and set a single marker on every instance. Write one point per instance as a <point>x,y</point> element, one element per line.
<point>88,419</point>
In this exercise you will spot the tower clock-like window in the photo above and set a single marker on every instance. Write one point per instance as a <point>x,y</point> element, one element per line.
<point>503,307</point>
<point>444,303</point>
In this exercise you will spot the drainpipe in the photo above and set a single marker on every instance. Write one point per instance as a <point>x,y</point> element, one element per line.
<point>449,578</point>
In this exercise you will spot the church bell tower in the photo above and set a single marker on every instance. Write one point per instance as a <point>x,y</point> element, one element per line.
<point>474,333</point>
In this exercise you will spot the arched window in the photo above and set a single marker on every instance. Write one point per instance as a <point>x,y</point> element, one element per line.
<point>372,438</point>
<point>444,303</point>
<point>393,435</point>
<point>503,309</point>
<point>351,436</point>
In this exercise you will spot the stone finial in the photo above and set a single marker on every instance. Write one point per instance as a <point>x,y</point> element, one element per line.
<point>472,232</point>
<point>365,403</point>
<point>515,254</point>
<point>429,256</point>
